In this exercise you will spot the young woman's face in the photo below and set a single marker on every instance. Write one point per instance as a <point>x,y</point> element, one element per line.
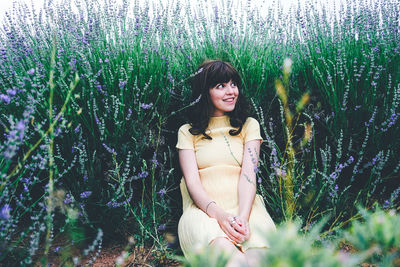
<point>223,97</point>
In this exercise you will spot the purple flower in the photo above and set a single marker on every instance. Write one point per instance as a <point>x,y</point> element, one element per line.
<point>386,205</point>
<point>143,174</point>
<point>11,92</point>
<point>86,194</point>
<point>280,172</point>
<point>31,71</point>
<point>20,126</point>
<point>110,150</point>
<point>122,84</point>
<point>161,227</point>
<point>72,64</point>
<point>5,212</point>
<point>5,98</point>
<point>162,192</point>
<point>76,130</point>
<point>333,175</point>
<point>68,199</point>
<point>155,162</point>
<point>255,169</point>
<point>146,106</point>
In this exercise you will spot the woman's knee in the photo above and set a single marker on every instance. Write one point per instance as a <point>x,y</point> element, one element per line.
<point>223,243</point>
<point>255,256</point>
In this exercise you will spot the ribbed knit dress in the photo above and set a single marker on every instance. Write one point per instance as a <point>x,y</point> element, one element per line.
<point>219,162</point>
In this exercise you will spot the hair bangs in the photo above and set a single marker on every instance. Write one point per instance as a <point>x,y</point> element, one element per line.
<point>222,72</point>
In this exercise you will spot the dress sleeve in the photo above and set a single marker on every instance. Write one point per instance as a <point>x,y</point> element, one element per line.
<point>185,138</point>
<point>251,130</point>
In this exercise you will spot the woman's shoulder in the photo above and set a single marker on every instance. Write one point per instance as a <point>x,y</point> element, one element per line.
<point>250,121</point>
<point>185,127</point>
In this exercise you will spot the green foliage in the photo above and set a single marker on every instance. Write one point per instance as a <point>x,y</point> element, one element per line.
<point>206,257</point>
<point>376,236</point>
<point>291,248</point>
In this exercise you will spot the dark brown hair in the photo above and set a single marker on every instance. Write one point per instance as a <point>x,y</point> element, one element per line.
<point>208,75</point>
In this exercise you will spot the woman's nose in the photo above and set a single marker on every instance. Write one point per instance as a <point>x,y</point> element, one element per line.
<point>230,89</point>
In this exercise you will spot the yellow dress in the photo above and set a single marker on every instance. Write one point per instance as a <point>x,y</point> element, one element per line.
<point>219,163</point>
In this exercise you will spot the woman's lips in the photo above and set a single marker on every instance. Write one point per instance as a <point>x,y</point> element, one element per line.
<point>229,100</point>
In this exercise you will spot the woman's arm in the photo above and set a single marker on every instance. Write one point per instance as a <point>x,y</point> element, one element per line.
<point>247,182</point>
<point>187,161</point>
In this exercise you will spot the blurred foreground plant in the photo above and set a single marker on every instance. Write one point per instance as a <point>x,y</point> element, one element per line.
<point>376,236</point>
<point>208,256</point>
<point>291,248</point>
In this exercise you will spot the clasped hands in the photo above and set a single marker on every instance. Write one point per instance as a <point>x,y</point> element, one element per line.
<point>235,227</point>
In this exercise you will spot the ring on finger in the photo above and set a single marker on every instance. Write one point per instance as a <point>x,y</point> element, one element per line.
<point>233,221</point>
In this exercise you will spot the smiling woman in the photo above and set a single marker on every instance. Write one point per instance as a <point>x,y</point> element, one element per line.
<point>218,155</point>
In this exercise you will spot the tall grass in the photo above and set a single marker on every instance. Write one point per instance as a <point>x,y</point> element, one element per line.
<point>113,144</point>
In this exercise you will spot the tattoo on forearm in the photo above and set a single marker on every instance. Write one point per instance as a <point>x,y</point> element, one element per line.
<point>248,179</point>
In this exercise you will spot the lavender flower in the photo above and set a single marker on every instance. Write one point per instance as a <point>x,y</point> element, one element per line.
<point>162,192</point>
<point>86,194</point>
<point>146,106</point>
<point>110,150</point>
<point>386,204</point>
<point>5,212</point>
<point>68,199</point>
<point>122,84</point>
<point>11,92</point>
<point>161,227</point>
<point>280,172</point>
<point>5,99</point>
<point>113,204</point>
<point>154,162</point>
<point>256,170</point>
<point>76,130</point>
<point>31,71</point>
<point>143,174</point>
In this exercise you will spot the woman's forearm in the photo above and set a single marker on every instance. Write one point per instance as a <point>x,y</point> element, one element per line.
<point>247,182</point>
<point>201,198</point>
<point>247,193</point>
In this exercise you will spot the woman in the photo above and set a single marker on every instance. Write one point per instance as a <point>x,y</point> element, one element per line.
<point>218,155</point>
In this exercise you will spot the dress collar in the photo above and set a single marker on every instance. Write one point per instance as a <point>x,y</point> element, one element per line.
<point>220,121</point>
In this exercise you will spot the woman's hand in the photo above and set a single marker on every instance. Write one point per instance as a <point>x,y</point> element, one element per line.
<point>243,227</point>
<point>229,224</point>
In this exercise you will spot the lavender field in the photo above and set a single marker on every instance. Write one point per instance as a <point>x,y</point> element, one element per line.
<point>91,99</point>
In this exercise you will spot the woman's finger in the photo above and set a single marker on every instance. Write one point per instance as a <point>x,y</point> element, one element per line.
<point>238,236</point>
<point>233,234</point>
<point>239,228</point>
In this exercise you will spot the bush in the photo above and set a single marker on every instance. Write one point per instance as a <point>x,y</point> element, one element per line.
<point>376,236</point>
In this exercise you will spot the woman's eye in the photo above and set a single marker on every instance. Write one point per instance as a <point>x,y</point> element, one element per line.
<point>233,84</point>
<point>219,86</point>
